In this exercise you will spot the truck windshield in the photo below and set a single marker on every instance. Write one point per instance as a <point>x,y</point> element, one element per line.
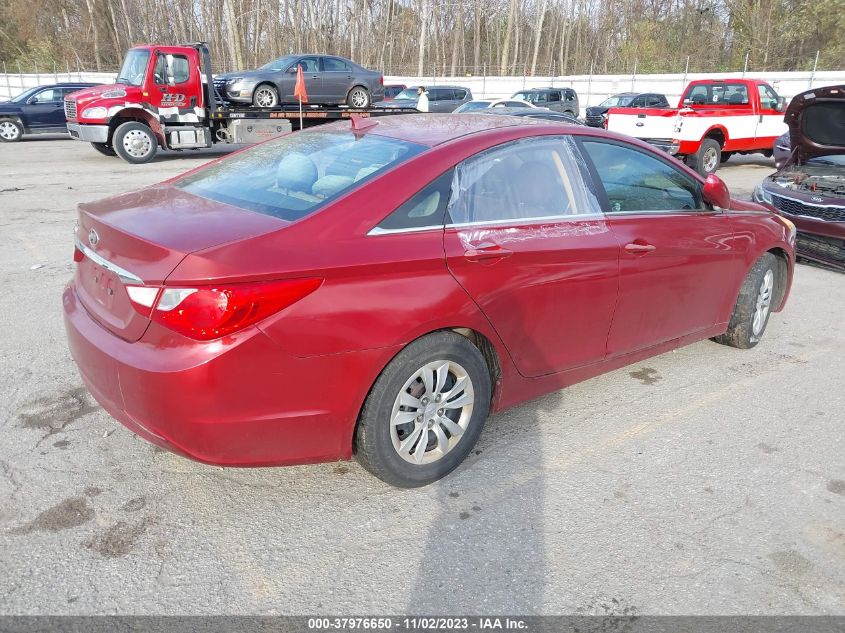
<point>134,67</point>
<point>295,175</point>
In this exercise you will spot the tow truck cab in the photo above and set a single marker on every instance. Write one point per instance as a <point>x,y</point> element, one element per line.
<point>162,98</point>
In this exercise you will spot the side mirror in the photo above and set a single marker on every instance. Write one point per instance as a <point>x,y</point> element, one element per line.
<point>291,70</point>
<point>715,192</point>
<point>32,100</point>
<point>781,106</point>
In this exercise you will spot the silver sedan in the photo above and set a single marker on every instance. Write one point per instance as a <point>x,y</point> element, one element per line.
<point>329,80</point>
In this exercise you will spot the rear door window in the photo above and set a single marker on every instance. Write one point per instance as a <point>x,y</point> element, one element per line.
<point>531,179</point>
<point>638,182</point>
<point>295,175</point>
<point>333,64</point>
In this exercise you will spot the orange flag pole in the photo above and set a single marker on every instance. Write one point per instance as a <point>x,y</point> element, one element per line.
<point>299,92</point>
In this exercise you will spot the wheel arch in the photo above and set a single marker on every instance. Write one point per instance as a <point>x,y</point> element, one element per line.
<point>783,275</point>
<point>718,134</point>
<point>141,116</point>
<point>480,340</point>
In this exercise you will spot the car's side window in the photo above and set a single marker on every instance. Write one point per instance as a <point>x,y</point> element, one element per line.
<point>554,96</point>
<point>48,96</point>
<point>460,95</point>
<point>639,102</point>
<point>425,209</point>
<point>333,64</point>
<point>524,180</point>
<point>309,64</point>
<point>634,181</point>
<point>171,69</point>
<point>768,98</point>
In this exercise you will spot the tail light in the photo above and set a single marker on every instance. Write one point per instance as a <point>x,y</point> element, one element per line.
<point>205,313</point>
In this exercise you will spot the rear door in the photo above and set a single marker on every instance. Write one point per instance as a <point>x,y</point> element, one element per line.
<point>678,261</point>
<point>337,79</point>
<point>525,238</point>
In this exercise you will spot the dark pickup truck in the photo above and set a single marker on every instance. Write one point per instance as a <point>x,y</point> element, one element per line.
<point>39,110</point>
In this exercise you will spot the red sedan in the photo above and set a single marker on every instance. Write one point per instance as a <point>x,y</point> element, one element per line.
<point>378,288</point>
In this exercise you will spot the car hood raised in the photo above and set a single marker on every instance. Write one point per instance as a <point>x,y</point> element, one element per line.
<point>816,120</point>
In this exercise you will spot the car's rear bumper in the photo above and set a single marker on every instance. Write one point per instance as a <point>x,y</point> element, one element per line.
<point>90,133</point>
<point>239,401</point>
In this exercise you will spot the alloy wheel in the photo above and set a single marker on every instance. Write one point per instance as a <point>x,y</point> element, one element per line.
<point>358,98</point>
<point>265,97</point>
<point>431,412</point>
<point>710,160</point>
<point>764,302</point>
<point>9,130</point>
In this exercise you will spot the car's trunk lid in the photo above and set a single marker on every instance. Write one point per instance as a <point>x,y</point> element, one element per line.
<point>139,238</point>
<point>816,120</point>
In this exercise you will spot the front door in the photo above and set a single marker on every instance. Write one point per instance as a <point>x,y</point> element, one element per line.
<point>527,241</point>
<point>770,123</point>
<point>678,258</point>
<point>176,80</point>
<point>45,109</point>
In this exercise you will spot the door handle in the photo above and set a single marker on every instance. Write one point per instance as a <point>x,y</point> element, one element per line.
<point>637,247</point>
<point>486,252</point>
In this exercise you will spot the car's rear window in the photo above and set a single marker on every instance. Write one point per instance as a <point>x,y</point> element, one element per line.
<point>293,176</point>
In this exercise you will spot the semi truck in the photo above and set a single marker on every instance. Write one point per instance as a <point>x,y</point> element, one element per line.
<point>164,97</point>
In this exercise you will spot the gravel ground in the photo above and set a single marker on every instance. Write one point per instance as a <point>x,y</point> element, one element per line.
<point>704,481</point>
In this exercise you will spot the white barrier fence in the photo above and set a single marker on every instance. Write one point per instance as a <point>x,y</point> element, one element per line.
<point>591,89</point>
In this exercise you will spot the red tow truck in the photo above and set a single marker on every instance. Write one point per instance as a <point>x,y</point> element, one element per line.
<point>164,97</point>
<point>715,119</point>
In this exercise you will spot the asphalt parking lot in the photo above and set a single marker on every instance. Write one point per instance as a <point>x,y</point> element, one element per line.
<point>709,480</point>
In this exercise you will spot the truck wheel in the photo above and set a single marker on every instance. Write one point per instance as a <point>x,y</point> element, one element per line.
<point>265,96</point>
<point>753,305</point>
<point>134,142</point>
<point>358,98</point>
<point>10,131</point>
<point>706,160</point>
<point>104,148</point>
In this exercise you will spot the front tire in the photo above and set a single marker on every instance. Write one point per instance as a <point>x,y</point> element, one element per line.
<point>753,305</point>
<point>134,142</point>
<point>104,148</point>
<point>10,131</point>
<point>265,96</point>
<point>358,98</point>
<point>425,411</point>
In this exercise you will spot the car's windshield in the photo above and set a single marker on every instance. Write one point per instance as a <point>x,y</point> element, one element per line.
<point>134,67</point>
<point>408,93</point>
<point>469,106</point>
<point>293,176</point>
<point>836,160</point>
<point>278,64</point>
<point>620,101</point>
<point>22,97</point>
<point>530,97</point>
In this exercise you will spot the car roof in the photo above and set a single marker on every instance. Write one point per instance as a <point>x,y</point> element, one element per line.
<point>435,129</point>
<point>546,89</point>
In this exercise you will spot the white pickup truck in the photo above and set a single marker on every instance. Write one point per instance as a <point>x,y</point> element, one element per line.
<point>714,120</point>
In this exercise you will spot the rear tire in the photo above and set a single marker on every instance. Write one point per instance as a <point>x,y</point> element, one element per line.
<point>135,142</point>
<point>706,160</point>
<point>10,131</point>
<point>425,411</point>
<point>358,98</point>
<point>753,305</point>
<point>104,148</point>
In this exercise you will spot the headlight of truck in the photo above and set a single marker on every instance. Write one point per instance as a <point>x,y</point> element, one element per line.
<point>97,112</point>
<point>761,195</point>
